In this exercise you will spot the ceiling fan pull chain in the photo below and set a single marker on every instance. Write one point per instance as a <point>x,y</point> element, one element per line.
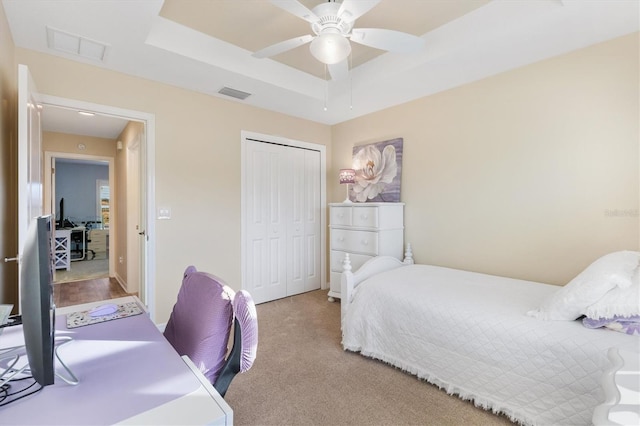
<point>326,87</point>
<point>351,81</point>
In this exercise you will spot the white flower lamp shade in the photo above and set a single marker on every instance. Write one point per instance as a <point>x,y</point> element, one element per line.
<point>347,176</point>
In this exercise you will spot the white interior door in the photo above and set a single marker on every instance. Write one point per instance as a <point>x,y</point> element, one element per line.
<point>143,238</point>
<point>135,230</point>
<point>303,237</point>
<point>312,221</point>
<point>282,218</point>
<point>266,223</point>
<point>29,158</point>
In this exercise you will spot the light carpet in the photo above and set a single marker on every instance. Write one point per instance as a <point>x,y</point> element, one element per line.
<point>83,270</point>
<point>302,376</point>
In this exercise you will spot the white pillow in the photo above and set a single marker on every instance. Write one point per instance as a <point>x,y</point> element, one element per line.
<point>621,302</point>
<point>571,301</point>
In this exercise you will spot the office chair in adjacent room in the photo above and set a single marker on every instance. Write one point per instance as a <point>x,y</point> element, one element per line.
<point>201,322</point>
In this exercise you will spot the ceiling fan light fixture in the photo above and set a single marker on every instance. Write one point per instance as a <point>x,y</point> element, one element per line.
<point>330,48</point>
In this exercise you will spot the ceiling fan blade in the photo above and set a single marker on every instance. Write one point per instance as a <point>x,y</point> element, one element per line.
<point>394,41</point>
<point>339,71</point>
<point>296,8</point>
<point>283,46</point>
<point>353,9</point>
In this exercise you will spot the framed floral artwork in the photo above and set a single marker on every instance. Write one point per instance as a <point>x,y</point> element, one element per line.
<point>378,169</point>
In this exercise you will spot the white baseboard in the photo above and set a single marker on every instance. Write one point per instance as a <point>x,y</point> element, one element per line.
<point>122,282</point>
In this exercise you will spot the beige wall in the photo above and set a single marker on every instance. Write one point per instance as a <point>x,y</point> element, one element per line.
<point>515,175</point>
<point>8,170</point>
<point>520,174</point>
<point>67,143</point>
<point>197,161</point>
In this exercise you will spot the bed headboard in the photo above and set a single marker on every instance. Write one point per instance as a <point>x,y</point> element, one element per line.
<point>350,280</point>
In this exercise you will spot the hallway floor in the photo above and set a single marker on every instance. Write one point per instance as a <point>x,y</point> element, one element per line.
<point>93,290</point>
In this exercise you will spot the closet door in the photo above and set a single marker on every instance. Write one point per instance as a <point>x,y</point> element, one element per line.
<point>267,201</point>
<point>282,220</point>
<point>303,241</point>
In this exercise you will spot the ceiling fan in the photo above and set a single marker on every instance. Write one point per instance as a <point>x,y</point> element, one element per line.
<point>332,23</point>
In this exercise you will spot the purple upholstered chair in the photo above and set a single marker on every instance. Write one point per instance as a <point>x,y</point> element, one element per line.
<point>200,324</point>
<point>245,341</point>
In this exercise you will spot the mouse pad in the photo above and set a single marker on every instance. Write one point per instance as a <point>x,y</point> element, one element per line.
<point>82,318</point>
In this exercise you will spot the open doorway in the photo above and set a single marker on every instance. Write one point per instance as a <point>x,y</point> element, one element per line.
<point>80,195</point>
<point>105,218</point>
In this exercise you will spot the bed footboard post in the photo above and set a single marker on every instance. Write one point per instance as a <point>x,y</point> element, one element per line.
<point>408,255</point>
<point>346,285</point>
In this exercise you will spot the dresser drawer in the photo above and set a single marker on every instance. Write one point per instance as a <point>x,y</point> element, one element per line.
<point>357,260</point>
<point>362,242</point>
<point>365,217</point>
<point>340,216</point>
<point>98,239</point>
<point>98,235</point>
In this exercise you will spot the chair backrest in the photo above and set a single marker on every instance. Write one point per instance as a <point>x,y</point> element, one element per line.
<point>245,341</point>
<point>200,322</point>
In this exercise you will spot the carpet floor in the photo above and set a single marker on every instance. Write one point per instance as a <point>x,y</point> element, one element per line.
<point>302,376</point>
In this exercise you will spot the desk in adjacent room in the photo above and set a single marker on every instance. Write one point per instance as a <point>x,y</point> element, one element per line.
<point>129,374</point>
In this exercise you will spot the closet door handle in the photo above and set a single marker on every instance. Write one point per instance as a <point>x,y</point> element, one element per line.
<point>142,233</point>
<point>11,259</point>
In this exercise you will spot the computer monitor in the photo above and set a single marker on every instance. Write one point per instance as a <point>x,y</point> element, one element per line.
<point>61,213</point>
<point>37,307</point>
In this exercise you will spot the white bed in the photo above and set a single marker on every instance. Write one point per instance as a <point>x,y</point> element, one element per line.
<point>470,334</point>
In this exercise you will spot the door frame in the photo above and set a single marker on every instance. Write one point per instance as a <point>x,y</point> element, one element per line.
<point>279,140</point>
<point>148,198</point>
<point>49,188</point>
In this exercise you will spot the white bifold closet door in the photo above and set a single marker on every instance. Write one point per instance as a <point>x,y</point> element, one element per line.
<point>282,220</point>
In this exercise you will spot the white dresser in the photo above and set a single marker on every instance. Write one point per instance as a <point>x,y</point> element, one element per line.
<point>99,243</point>
<point>363,230</point>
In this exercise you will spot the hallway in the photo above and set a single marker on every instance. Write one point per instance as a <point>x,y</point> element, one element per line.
<point>93,290</point>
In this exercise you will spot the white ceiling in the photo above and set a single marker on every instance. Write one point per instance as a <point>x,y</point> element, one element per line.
<point>204,45</point>
<point>64,120</point>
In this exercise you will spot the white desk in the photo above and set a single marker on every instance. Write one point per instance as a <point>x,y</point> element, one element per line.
<point>62,249</point>
<point>129,374</point>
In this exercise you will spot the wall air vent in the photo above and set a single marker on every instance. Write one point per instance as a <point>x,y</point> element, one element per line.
<point>76,45</point>
<point>238,94</point>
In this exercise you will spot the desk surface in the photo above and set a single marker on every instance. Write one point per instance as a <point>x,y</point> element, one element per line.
<point>127,370</point>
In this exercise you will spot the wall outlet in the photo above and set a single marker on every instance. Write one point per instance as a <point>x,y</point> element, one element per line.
<point>121,259</point>
<point>164,213</point>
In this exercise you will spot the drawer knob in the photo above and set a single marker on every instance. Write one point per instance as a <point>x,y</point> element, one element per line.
<point>364,216</point>
<point>365,242</point>
<point>340,239</point>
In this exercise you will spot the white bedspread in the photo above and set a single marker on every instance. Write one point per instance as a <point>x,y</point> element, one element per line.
<point>468,334</point>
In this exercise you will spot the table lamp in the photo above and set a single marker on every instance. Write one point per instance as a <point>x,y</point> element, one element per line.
<point>347,176</point>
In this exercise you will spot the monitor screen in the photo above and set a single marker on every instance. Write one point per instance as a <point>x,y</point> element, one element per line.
<point>37,307</point>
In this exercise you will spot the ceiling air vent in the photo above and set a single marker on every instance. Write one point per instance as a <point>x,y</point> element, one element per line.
<point>238,94</point>
<point>76,45</point>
